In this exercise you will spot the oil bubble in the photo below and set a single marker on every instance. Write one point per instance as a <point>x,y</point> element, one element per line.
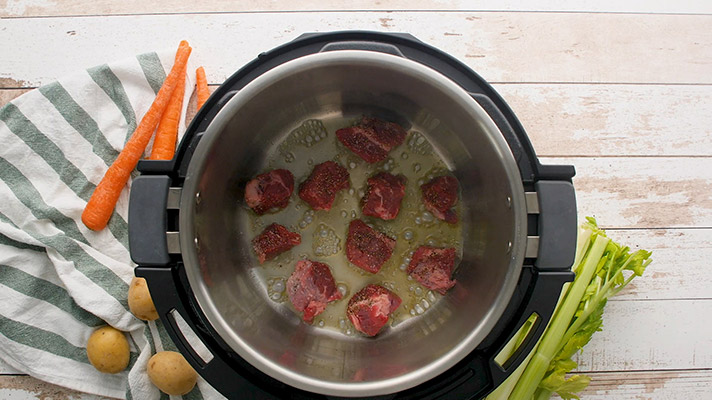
<point>418,309</point>
<point>427,217</point>
<point>321,323</point>
<point>353,214</point>
<point>276,296</point>
<point>425,304</point>
<point>431,242</point>
<point>404,155</point>
<point>408,235</point>
<point>352,191</point>
<point>431,296</point>
<point>278,286</point>
<point>418,220</point>
<point>418,291</point>
<point>406,260</point>
<point>352,165</point>
<point>344,214</point>
<point>402,267</point>
<point>412,311</point>
<point>342,289</point>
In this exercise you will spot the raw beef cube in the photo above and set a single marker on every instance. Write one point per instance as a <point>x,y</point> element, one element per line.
<point>311,287</point>
<point>370,308</point>
<point>368,248</point>
<point>319,190</point>
<point>432,267</point>
<point>269,190</point>
<point>384,195</point>
<point>372,138</point>
<point>275,239</point>
<point>439,196</point>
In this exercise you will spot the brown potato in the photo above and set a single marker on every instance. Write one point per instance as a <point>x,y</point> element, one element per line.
<point>140,302</point>
<point>171,373</point>
<point>108,350</point>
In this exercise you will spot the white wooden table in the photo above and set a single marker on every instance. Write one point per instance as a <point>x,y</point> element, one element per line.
<point>622,90</point>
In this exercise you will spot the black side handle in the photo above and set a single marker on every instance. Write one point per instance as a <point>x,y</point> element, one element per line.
<point>557,225</point>
<point>166,297</point>
<point>363,45</point>
<point>147,220</point>
<point>486,373</point>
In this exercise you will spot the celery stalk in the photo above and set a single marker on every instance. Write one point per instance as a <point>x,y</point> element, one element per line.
<point>599,265</point>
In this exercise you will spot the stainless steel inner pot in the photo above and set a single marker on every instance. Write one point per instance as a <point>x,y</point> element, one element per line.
<point>217,254</point>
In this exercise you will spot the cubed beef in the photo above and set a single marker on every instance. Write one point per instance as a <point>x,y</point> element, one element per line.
<point>269,190</point>
<point>370,308</point>
<point>275,239</point>
<point>319,190</point>
<point>432,267</point>
<point>372,138</point>
<point>368,248</point>
<point>439,196</point>
<point>311,287</point>
<point>384,195</point>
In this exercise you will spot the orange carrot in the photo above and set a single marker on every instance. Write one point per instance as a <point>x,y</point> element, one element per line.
<point>102,202</point>
<point>202,86</point>
<point>164,145</point>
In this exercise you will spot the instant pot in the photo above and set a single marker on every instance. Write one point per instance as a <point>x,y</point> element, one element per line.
<point>519,228</point>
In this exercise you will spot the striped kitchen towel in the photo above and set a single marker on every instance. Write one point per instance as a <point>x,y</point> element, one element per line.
<point>59,280</point>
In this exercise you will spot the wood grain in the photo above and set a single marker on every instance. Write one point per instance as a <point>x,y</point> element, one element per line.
<point>27,387</point>
<point>648,385</point>
<point>23,8</point>
<point>651,335</point>
<point>643,192</point>
<point>503,47</point>
<point>678,270</point>
<point>614,120</point>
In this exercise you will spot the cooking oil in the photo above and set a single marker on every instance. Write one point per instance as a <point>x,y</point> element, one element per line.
<point>324,232</point>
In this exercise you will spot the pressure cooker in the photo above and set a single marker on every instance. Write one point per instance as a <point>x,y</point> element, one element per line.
<point>519,228</point>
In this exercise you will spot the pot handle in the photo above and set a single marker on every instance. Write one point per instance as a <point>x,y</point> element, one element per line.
<point>557,228</point>
<point>363,45</point>
<point>148,221</point>
<point>167,298</point>
<point>483,374</point>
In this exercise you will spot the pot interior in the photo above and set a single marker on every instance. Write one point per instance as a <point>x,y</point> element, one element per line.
<point>231,287</point>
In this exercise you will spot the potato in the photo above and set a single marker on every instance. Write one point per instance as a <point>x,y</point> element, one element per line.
<point>171,373</point>
<point>108,350</point>
<point>140,302</point>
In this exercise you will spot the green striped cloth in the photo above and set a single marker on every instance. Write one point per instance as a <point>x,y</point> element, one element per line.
<point>59,281</point>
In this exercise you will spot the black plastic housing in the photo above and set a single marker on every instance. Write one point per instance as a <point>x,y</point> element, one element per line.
<point>477,374</point>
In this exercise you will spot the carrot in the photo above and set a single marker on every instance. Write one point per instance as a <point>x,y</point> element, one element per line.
<point>164,145</point>
<point>102,202</point>
<point>202,86</point>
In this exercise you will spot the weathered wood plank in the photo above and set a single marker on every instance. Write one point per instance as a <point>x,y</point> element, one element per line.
<point>679,269</point>
<point>651,335</point>
<point>503,47</point>
<point>614,120</point>
<point>27,387</point>
<point>643,192</point>
<point>654,385</point>
<point>20,8</point>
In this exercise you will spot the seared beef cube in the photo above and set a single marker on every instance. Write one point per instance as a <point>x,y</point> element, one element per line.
<point>311,287</point>
<point>368,248</point>
<point>269,190</point>
<point>432,267</point>
<point>370,308</point>
<point>372,138</point>
<point>384,195</point>
<point>439,196</point>
<point>319,190</point>
<point>275,239</point>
